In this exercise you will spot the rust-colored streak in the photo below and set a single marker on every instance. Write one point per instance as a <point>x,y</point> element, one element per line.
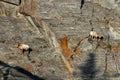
<point>116,48</point>
<point>68,52</point>
<point>64,43</point>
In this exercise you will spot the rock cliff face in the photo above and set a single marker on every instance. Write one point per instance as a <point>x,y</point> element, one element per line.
<point>43,23</point>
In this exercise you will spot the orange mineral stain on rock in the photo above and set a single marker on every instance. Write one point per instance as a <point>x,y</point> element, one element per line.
<point>64,45</point>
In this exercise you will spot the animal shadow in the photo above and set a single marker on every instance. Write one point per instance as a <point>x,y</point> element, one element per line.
<point>89,70</point>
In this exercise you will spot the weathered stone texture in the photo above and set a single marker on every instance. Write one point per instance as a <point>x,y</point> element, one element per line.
<point>63,17</point>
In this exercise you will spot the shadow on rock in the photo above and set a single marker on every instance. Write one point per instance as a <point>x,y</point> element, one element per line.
<point>89,71</point>
<point>16,72</point>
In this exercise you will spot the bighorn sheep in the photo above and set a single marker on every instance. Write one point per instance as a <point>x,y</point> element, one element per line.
<point>95,35</point>
<point>23,47</point>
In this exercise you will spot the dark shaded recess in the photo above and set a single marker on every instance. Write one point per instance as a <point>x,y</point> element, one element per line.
<point>20,1</point>
<point>12,2</point>
<point>19,71</point>
<point>89,71</point>
<point>82,3</point>
<point>25,72</point>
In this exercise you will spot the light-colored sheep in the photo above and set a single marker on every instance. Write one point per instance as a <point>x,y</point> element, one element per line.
<point>23,47</point>
<point>95,35</point>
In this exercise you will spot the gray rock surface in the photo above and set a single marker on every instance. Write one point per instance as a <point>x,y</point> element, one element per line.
<point>97,61</point>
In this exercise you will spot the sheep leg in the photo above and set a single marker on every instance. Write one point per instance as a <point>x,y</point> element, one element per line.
<point>23,51</point>
<point>28,55</point>
<point>93,37</point>
<point>29,50</point>
<point>90,36</point>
